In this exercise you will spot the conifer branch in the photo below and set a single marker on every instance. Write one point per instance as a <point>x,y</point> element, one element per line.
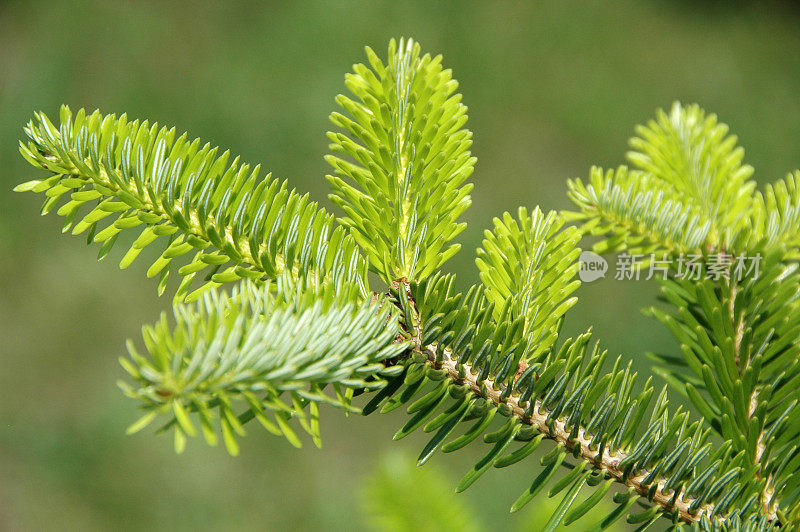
<point>301,329</point>
<point>579,445</point>
<point>565,397</point>
<point>256,347</point>
<point>402,156</point>
<point>238,223</point>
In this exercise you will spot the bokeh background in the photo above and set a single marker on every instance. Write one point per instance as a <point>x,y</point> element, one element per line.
<point>553,88</point>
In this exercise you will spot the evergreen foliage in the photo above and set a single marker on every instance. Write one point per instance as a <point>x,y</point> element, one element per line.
<point>302,327</point>
<point>257,348</point>
<point>234,222</point>
<point>403,190</point>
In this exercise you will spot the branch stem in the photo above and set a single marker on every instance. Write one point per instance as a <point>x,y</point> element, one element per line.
<point>557,431</point>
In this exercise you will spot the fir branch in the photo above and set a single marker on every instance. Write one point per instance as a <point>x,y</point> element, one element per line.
<point>776,215</point>
<point>531,262</point>
<point>237,223</point>
<point>562,414</point>
<point>693,153</point>
<point>692,194</point>
<point>254,348</point>
<point>689,192</point>
<point>739,340</point>
<point>303,322</point>
<point>580,445</point>
<point>632,212</point>
<point>401,185</point>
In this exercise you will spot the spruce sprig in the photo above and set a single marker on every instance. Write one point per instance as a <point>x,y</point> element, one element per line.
<point>404,159</point>
<point>233,222</point>
<point>302,328</point>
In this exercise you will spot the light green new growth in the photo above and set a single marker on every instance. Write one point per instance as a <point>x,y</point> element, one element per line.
<point>302,327</point>
<point>776,214</point>
<point>689,191</point>
<point>402,190</point>
<point>531,264</point>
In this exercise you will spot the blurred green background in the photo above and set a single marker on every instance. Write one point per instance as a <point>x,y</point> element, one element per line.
<point>553,87</point>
